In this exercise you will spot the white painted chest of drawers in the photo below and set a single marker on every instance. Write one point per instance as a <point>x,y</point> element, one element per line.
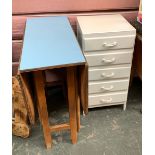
<point>107,43</point>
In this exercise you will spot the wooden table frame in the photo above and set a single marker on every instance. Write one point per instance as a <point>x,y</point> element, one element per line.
<point>77,77</point>
<point>52,52</point>
<point>74,106</point>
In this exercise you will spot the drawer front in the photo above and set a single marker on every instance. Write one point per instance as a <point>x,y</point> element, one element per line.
<point>108,58</point>
<point>90,44</point>
<point>109,73</point>
<point>109,86</point>
<point>107,99</point>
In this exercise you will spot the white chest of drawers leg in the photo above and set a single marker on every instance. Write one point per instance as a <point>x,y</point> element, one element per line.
<point>107,42</point>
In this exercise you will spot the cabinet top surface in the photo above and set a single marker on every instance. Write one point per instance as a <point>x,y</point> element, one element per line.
<point>49,42</point>
<point>104,24</point>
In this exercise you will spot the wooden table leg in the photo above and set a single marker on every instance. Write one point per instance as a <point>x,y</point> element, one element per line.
<point>40,118</point>
<point>26,85</point>
<point>83,87</point>
<point>72,99</point>
<point>40,92</point>
<point>78,114</point>
<point>77,90</point>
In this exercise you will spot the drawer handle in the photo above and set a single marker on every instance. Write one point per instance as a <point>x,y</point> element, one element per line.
<point>106,100</point>
<point>108,61</point>
<point>110,44</point>
<point>107,75</point>
<point>110,88</point>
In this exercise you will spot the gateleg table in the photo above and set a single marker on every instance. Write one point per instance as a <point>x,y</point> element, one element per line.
<point>50,43</point>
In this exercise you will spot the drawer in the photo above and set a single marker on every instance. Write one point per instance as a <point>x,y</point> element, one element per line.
<point>109,73</point>
<point>108,86</point>
<point>109,58</point>
<point>107,99</point>
<point>106,43</point>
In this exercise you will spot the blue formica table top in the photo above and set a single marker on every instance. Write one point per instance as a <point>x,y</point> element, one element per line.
<point>49,42</point>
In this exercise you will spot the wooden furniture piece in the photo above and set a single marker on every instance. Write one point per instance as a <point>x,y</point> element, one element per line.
<point>47,6</point>
<point>20,125</point>
<point>107,42</point>
<point>50,43</point>
<point>137,57</point>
